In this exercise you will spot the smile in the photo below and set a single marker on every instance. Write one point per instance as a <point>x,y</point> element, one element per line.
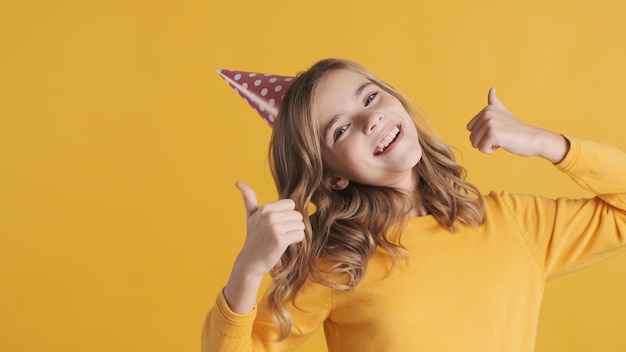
<point>387,140</point>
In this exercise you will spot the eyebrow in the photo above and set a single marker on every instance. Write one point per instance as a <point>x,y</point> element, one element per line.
<point>357,93</point>
<point>359,90</point>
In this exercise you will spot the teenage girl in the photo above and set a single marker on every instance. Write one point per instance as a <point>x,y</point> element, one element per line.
<point>378,237</point>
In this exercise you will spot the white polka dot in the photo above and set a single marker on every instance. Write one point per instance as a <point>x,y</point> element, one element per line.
<point>237,76</point>
<point>288,79</point>
<point>282,96</point>
<point>257,83</point>
<point>244,86</point>
<point>271,118</point>
<point>261,108</point>
<point>278,88</point>
<point>273,79</point>
<point>252,75</point>
<point>264,91</point>
<point>252,98</point>
<point>272,102</point>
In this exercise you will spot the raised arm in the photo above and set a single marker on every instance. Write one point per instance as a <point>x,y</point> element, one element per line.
<point>270,230</point>
<point>564,234</point>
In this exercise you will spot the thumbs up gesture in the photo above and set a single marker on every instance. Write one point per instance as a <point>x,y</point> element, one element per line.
<point>271,228</point>
<point>495,127</point>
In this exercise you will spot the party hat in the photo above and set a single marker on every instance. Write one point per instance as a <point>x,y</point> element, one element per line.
<point>264,92</point>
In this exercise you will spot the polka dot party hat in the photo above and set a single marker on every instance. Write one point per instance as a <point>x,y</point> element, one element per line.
<point>264,92</point>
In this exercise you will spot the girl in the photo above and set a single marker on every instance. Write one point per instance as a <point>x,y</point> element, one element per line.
<point>378,237</point>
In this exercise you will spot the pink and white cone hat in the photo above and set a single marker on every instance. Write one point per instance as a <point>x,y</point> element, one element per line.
<point>264,92</point>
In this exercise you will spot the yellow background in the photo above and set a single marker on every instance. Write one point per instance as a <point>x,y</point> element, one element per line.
<point>119,145</point>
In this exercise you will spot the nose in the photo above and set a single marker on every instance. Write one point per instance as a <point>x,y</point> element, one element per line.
<point>372,120</point>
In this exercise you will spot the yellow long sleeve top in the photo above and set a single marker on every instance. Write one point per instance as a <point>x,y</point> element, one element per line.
<point>474,289</point>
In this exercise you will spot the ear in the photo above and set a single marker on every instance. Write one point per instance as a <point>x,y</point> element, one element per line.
<point>336,182</point>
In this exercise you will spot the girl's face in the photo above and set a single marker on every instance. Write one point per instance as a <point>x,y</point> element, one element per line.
<point>367,135</point>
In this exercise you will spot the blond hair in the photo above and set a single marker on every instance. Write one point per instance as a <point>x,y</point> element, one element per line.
<point>349,225</point>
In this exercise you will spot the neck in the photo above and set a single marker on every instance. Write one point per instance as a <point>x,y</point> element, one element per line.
<point>418,208</point>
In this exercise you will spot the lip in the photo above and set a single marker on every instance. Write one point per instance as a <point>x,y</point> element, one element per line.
<point>384,134</point>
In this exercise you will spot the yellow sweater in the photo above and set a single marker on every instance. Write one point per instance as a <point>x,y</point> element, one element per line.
<point>475,289</point>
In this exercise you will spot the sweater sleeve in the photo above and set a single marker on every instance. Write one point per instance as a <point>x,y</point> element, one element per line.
<point>598,168</point>
<point>225,330</point>
<point>569,234</point>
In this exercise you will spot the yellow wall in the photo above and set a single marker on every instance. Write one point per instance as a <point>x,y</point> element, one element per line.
<point>119,145</point>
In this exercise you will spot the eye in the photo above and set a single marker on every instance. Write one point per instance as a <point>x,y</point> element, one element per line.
<point>370,98</point>
<point>341,130</point>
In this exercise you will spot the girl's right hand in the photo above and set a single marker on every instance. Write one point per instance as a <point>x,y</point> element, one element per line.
<point>271,228</point>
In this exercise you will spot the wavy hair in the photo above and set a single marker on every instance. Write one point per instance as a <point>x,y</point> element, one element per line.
<point>348,225</point>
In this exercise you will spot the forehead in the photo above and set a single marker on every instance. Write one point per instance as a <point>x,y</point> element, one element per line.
<point>336,91</point>
<point>339,81</point>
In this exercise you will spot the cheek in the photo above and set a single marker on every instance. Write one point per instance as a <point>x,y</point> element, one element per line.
<point>334,158</point>
<point>343,159</point>
<point>351,154</point>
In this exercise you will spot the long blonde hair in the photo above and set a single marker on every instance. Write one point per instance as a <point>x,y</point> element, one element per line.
<point>348,225</point>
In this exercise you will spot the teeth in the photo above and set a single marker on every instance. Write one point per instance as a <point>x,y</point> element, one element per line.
<point>387,140</point>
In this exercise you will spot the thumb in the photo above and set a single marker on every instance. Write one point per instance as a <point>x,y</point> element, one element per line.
<point>493,100</point>
<point>249,198</point>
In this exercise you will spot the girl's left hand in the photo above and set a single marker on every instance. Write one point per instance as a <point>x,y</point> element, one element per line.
<point>495,127</point>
